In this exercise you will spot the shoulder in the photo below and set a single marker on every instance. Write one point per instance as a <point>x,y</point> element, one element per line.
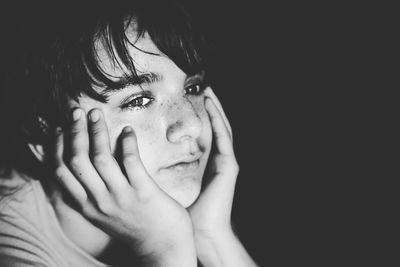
<point>15,189</point>
<point>25,208</point>
<point>23,205</point>
<point>20,222</point>
<point>30,233</point>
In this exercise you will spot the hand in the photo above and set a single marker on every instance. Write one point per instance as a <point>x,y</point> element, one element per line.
<point>211,213</point>
<point>216,243</point>
<point>127,204</point>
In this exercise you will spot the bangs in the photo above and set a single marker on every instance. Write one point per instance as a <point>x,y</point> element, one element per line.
<point>78,70</point>
<point>55,58</point>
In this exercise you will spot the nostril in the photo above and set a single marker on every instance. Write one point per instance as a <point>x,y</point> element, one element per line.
<point>188,127</point>
<point>183,120</point>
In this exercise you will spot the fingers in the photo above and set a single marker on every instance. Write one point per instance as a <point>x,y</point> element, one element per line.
<point>89,169</point>
<point>100,153</point>
<point>78,158</point>
<point>136,172</point>
<point>221,110</point>
<point>220,129</point>
<point>63,174</point>
<point>100,143</point>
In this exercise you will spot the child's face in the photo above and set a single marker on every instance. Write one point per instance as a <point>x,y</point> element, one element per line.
<point>168,116</point>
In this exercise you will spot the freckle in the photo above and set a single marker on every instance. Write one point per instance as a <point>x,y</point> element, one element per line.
<point>147,127</point>
<point>170,105</point>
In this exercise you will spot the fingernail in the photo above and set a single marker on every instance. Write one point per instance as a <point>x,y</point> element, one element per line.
<point>94,115</point>
<point>128,130</point>
<point>76,114</point>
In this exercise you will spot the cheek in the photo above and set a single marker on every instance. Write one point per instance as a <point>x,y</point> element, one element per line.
<point>148,135</point>
<point>145,130</point>
<point>199,108</point>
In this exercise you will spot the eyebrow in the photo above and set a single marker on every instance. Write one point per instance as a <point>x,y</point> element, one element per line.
<point>198,75</point>
<point>131,80</point>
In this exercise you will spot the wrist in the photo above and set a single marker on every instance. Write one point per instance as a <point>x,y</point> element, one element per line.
<point>211,244</point>
<point>177,254</point>
<point>214,234</point>
<point>222,249</point>
<point>180,251</point>
<point>176,248</point>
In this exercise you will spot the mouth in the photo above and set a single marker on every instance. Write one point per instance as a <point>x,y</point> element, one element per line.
<point>184,166</point>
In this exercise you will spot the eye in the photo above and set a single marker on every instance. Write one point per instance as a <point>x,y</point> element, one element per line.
<point>195,89</point>
<point>138,103</point>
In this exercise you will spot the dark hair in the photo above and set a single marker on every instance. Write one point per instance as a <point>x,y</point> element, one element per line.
<point>58,60</point>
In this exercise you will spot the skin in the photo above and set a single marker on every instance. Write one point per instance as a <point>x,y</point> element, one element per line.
<point>157,210</point>
<point>171,125</point>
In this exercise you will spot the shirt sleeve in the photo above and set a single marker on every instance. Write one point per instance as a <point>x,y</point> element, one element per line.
<point>17,252</point>
<point>18,258</point>
<point>19,247</point>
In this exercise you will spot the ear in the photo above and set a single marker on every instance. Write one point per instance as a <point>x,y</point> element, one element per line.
<point>37,151</point>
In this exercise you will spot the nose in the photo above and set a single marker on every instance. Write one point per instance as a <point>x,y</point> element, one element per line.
<point>184,122</point>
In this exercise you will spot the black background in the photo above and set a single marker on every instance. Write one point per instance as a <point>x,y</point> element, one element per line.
<point>281,77</point>
<point>285,74</point>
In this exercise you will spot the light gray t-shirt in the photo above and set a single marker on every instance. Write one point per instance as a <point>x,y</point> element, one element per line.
<point>30,234</point>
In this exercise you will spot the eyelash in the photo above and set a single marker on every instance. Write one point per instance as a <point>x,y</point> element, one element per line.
<point>137,102</point>
<point>199,91</point>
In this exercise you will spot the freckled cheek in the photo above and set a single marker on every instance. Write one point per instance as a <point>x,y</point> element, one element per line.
<point>145,130</point>
<point>198,106</point>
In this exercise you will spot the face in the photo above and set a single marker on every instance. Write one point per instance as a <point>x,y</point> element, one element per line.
<point>167,114</point>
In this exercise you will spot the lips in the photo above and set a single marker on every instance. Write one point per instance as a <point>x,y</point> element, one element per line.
<point>185,163</point>
<point>184,166</point>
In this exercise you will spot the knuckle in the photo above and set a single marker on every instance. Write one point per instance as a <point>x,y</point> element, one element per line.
<point>97,130</point>
<point>235,167</point>
<point>104,206</point>
<point>233,163</point>
<point>76,161</point>
<point>87,209</point>
<point>76,130</point>
<point>60,172</point>
<point>100,159</point>
<point>124,203</point>
<point>230,164</point>
<point>129,159</point>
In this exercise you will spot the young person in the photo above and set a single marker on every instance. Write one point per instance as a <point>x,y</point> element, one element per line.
<point>133,161</point>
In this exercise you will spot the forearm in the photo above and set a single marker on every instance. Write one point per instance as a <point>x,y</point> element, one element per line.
<point>183,256</point>
<point>224,249</point>
<point>178,252</point>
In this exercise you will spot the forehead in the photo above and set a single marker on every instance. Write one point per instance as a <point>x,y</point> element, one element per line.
<point>142,50</point>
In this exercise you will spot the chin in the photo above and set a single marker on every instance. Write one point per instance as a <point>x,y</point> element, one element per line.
<point>185,193</point>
